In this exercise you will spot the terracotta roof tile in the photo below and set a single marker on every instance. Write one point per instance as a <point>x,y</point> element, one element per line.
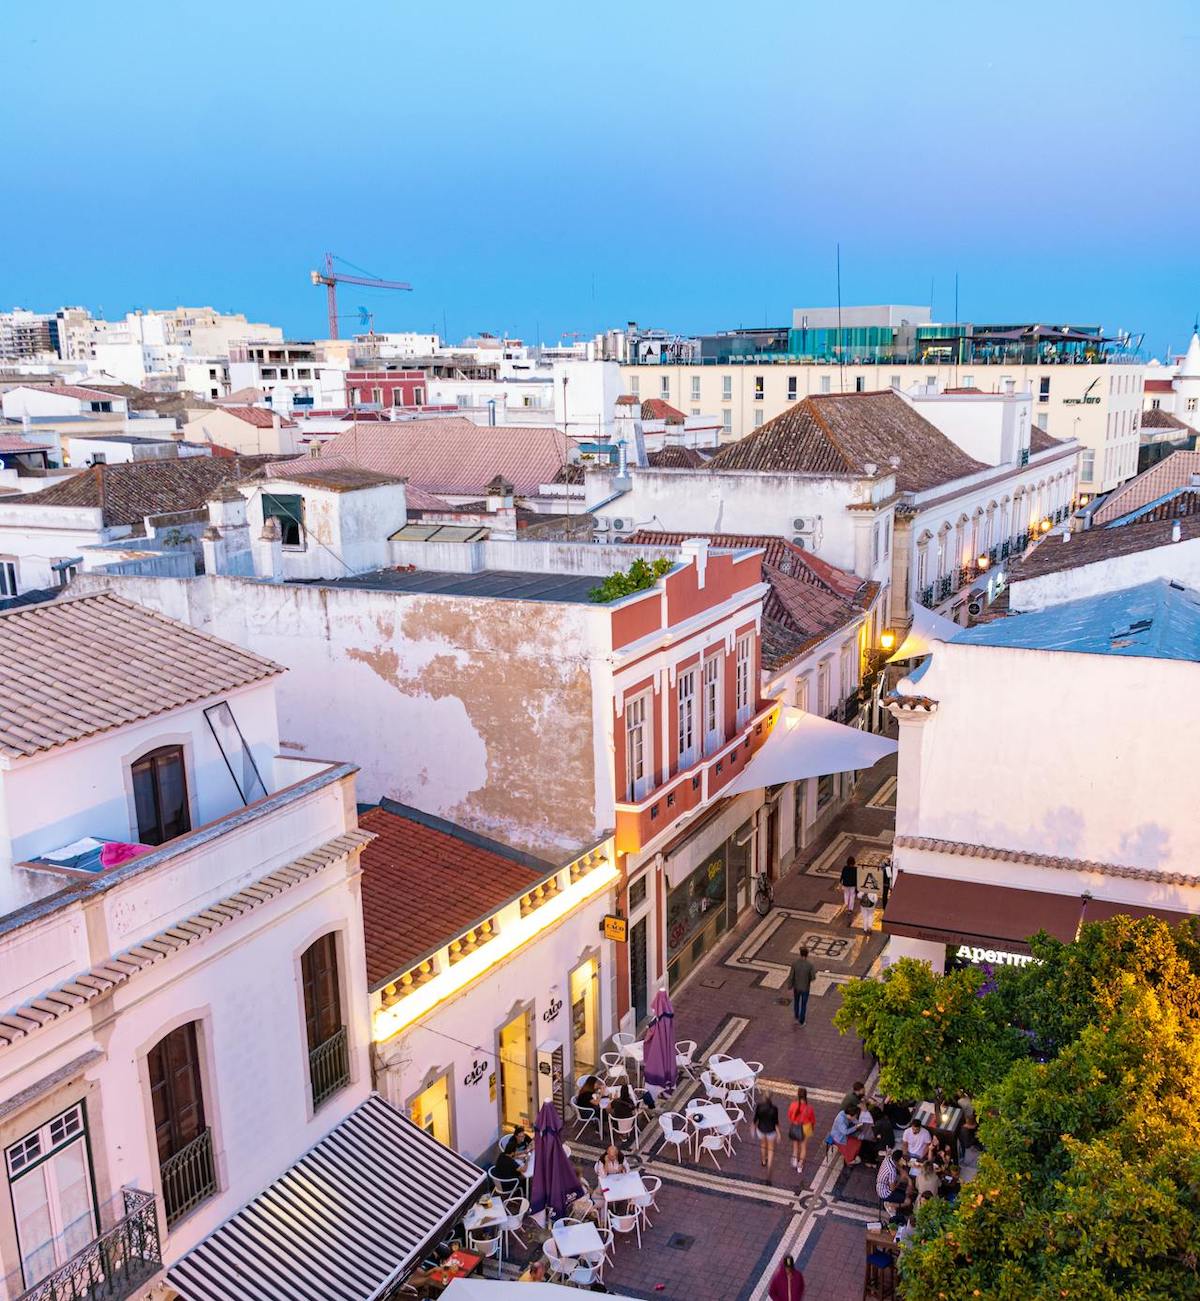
<point>340,478</point>
<point>259,417</point>
<point>102,662</point>
<point>1052,555</point>
<point>842,433</point>
<point>1040,440</point>
<point>128,493</point>
<point>76,391</point>
<point>1157,418</point>
<point>1171,473</point>
<point>13,443</point>
<point>426,881</point>
<point>451,456</point>
<point>1158,386</point>
<point>660,409</point>
<point>677,458</point>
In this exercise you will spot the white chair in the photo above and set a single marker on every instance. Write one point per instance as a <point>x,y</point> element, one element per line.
<point>717,1058</point>
<point>584,1208</point>
<point>560,1266</point>
<point>615,1069</point>
<point>713,1087</point>
<point>485,1245</point>
<point>585,1274</point>
<point>674,1131</point>
<point>585,1116</point>
<point>505,1187</point>
<point>631,1223</point>
<point>714,1143</point>
<point>622,1128</point>
<point>737,1103</point>
<point>756,1068</point>
<point>648,1199</point>
<point>606,1237</point>
<point>517,1209</point>
<point>685,1051</point>
<point>623,1039</point>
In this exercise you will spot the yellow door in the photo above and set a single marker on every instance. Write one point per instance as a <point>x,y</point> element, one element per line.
<point>584,1017</point>
<point>516,1073</point>
<point>431,1110</point>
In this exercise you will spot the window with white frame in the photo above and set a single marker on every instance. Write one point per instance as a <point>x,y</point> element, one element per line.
<point>665,385</point>
<point>50,1180</point>
<point>634,385</point>
<point>726,388</point>
<point>875,543</point>
<point>758,419</point>
<point>823,688</point>
<point>743,677</point>
<point>695,388</point>
<point>802,693</point>
<point>887,536</point>
<point>848,674</point>
<point>824,383</point>
<point>1087,465</point>
<point>685,686</point>
<point>922,566</point>
<point>638,748</point>
<point>942,558</point>
<point>8,576</point>
<point>791,388</point>
<point>711,704</point>
<point>726,420</point>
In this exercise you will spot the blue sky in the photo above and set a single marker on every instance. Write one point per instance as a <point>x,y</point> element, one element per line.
<point>539,168</point>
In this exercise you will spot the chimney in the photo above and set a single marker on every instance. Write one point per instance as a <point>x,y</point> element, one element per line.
<point>1176,531</point>
<point>268,552</point>
<point>210,544</point>
<point>499,494</point>
<point>695,551</point>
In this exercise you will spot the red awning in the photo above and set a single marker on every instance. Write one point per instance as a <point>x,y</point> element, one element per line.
<point>1100,910</point>
<point>986,916</point>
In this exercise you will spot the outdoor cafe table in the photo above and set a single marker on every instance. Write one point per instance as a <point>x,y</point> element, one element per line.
<point>734,1071</point>
<point>482,1216</point>
<point>622,1187</point>
<point>710,1115</point>
<point>577,1239</point>
<point>943,1124</point>
<point>459,1264</point>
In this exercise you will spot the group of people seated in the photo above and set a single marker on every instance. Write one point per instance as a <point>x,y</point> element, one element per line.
<point>509,1164</point>
<point>621,1101</point>
<point>863,1129</point>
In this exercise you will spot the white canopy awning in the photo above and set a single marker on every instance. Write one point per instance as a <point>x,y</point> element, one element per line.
<point>502,1289</point>
<point>927,628</point>
<point>803,745</point>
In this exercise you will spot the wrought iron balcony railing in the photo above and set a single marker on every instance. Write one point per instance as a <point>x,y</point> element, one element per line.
<point>113,1265</point>
<point>925,596</point>
<point>945,586</point>
<point>329,1066</point>
<point>188,1177</point>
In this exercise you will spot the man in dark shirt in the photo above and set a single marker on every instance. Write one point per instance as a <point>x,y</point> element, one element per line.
<point>801,983</point>
<point>850,887</point>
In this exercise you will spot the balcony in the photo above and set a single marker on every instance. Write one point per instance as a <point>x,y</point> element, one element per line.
<point>114,1265</point>
<point>945,586</point>
<point>329,1067</point>
<point>641,821</point>
<point>188,1177</point>
<point>925,597</point>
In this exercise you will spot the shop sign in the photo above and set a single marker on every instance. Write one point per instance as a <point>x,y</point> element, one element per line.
<point>995,957</point>
<point>551,1012</point>
<point>615,928</point>
<point>475,1074</point>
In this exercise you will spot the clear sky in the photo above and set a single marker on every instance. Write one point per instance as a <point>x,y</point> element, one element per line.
<point>546,167</point>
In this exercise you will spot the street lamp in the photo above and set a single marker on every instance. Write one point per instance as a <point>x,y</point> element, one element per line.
<point>887,639</point>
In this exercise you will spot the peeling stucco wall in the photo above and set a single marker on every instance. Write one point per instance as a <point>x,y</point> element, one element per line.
<point>479,710</point>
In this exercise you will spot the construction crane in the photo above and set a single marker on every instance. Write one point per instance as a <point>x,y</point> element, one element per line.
<point>331,279</point>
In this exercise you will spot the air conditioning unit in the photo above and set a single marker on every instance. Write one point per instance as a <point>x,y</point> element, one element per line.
<point>801,525</point>
<point>601,524</point>
<point>621,525</point>
<point>975,608</point>
<point>801,543</point>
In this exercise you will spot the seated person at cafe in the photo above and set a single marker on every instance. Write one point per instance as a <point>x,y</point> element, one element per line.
<point>970,1124</point>
<point>885,1131</point>
<point>871,1145</point>
<point>858,1091</point>
<point>625,1105</point>
<point>917,1142</point>
<point>590,1093</point>
<point>890,1176</point>
<point>516,1142</point>
<point>612,1162</point>
<point>844,1134</point>
<point>927,1179</point>
<point>424,1280</point>
<point>535,1272</point>
<point>898,1112</point>
<point>904,1228</point>
<point>507,1169</point>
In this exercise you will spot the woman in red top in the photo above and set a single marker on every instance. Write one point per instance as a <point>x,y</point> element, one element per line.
<point>801,1121</point>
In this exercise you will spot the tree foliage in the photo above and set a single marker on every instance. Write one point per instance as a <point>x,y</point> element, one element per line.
<point>637,578</point>
<point>1089,1186</point>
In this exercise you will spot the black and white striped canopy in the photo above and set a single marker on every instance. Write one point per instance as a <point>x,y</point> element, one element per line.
<point>348,1220</point>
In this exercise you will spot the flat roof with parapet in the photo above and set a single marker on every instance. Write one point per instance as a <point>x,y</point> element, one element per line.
<point>502,584</point>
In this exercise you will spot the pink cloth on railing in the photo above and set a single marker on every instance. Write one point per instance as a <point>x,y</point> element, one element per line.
<point>117,852</point>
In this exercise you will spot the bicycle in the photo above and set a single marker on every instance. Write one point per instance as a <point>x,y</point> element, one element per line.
<point>764,894</point>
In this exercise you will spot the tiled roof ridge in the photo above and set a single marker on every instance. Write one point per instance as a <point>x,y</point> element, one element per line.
<point>813,411</point>
<point>82,989</point>
<point>1061,862</point>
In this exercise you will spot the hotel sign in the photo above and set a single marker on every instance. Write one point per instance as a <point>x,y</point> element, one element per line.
<point>1083,401</point>
<point>615,928</point>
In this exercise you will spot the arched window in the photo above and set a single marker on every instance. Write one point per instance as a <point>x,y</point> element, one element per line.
<point>185,1155</point>
<point>160,795</point>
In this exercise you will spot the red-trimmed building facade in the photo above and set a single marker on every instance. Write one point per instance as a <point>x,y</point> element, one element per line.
<point>386,388</point>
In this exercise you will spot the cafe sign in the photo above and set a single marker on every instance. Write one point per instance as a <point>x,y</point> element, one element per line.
<point>615,928</point>
<point>994,957</point>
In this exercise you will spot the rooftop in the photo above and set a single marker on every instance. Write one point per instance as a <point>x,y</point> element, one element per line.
<point>259,417</point>
<point>451,456</point>
<point>809,600</point>
<point>660,409</point>
<point>13,444</point>
<point>1157,418</point>
<point>1159,620</point>
<point>1040,440</point>
<point>126,494</point>
<point>677,458</point>
<point>1171,473</point>
<point>843,433</point>
<point>503,584</point>
<point>79,666</point>
<point>425,881</point>
<point>340,478</point>
<point>1052,555</point>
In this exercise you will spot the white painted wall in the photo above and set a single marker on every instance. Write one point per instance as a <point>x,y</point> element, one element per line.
<point>1177,560</point>
<point>462,1030</point>
<point>37,536</point>
<point>1017,757</point>
<point>992,428</point>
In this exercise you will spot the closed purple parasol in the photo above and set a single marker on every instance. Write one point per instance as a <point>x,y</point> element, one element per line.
<point>555,1182</point>
<point>658,1049</point>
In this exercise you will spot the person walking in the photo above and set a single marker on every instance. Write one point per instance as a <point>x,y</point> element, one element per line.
<point>867,916</point>
<point>802,1120</point>
<point>766,1121</point>
<point>801,981</point>
<point>850,887</point>
<point>787,1283</point>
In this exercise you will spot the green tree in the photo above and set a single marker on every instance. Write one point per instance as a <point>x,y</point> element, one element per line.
<point>639,577</point>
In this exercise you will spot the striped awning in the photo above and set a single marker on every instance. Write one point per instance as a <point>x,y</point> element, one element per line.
<point>345,1223</point>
